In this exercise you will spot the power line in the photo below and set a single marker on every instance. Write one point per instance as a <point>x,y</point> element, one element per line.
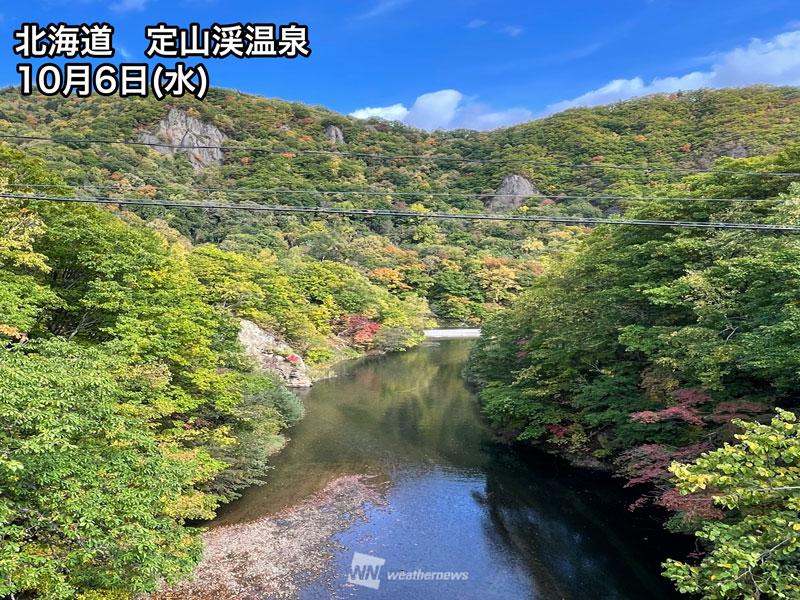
<point>373,193</point>
<point>413,214</point>
<point>365,155</point>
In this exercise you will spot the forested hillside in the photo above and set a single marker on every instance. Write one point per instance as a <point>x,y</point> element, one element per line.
<point>128,407</point>
<point>465,269</point>
<point>130,410</point>
<point>646,346</point>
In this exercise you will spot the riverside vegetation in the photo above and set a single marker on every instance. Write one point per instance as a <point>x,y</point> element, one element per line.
<point>128,409</point>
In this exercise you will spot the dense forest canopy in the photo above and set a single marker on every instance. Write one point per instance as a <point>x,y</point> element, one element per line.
<point>466,270</point>
<point>128,409</point>
<point>644,346</point>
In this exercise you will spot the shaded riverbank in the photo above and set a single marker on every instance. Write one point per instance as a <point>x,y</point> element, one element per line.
<point>449,497</point>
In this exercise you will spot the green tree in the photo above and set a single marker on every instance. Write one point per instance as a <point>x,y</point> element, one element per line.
<point>755,551</point>
<point>90,501</point>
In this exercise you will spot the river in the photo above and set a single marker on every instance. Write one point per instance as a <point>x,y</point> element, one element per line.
<point>521,524</point>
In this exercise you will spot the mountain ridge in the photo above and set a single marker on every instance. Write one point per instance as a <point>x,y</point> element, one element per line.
<point>685,130</point>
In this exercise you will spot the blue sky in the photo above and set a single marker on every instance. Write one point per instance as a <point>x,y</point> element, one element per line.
<point>468,63</point>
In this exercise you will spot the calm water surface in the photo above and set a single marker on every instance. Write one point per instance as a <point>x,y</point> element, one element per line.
<point>523,525</point>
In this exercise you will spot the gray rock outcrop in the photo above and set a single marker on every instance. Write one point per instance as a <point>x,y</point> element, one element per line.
<point>274,355</point>
<point>738,151</point>
<point>511,194</point>
<point>334,134</point>
<point>179,128</point>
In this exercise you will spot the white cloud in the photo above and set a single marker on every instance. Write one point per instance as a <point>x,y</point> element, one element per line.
<point>775,61</point>
<point>512,30</point>
<point>382,7</point>
<point>475,23</point>
<point>395,112</point>
<point>447,109</point>
<point>481,116</point>
<point>125,54</point>
<point>585,51</point>
<point>434,110</point>
<point>129,5</point>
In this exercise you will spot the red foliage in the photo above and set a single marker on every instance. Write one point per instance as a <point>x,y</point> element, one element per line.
<point>597,158</point>
<point>692,396</point>
<point>741,409</point>
<point>684,410</point>
<point>546,202</point>
<point>686,147</point>
<point>678,412</point>
<point>557,430</point>
<point>688,453</point>
<point>358,330</point>
<point>648,463</point>
<point>693,506</point>
<point>293,358</point>
<point>306,120</point>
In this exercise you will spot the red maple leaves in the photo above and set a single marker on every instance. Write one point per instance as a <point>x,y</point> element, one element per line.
<point>685,409</point>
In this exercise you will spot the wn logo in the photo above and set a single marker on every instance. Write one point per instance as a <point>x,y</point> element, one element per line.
<point>365,570</point>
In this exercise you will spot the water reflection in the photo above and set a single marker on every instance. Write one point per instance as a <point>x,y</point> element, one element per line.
<point>522,526</point>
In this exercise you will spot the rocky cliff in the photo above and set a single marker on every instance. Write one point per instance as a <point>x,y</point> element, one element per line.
<point>511,194</point>
<point>179,128</point>
<point>274,355</point>
<point>334,134</point>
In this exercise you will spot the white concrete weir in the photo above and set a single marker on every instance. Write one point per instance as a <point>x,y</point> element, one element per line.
<point>452,334</point>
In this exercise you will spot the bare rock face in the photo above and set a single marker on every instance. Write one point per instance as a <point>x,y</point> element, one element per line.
<point>738,151</point>
<point>274,355</point>
<point>512,193</point>
<point>182,129</point>
<point>334,134</point>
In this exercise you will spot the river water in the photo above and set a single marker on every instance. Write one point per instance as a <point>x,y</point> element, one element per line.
<point>521,524</point>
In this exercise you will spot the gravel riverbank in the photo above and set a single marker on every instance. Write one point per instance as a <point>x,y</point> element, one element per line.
<point>275,556</point>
